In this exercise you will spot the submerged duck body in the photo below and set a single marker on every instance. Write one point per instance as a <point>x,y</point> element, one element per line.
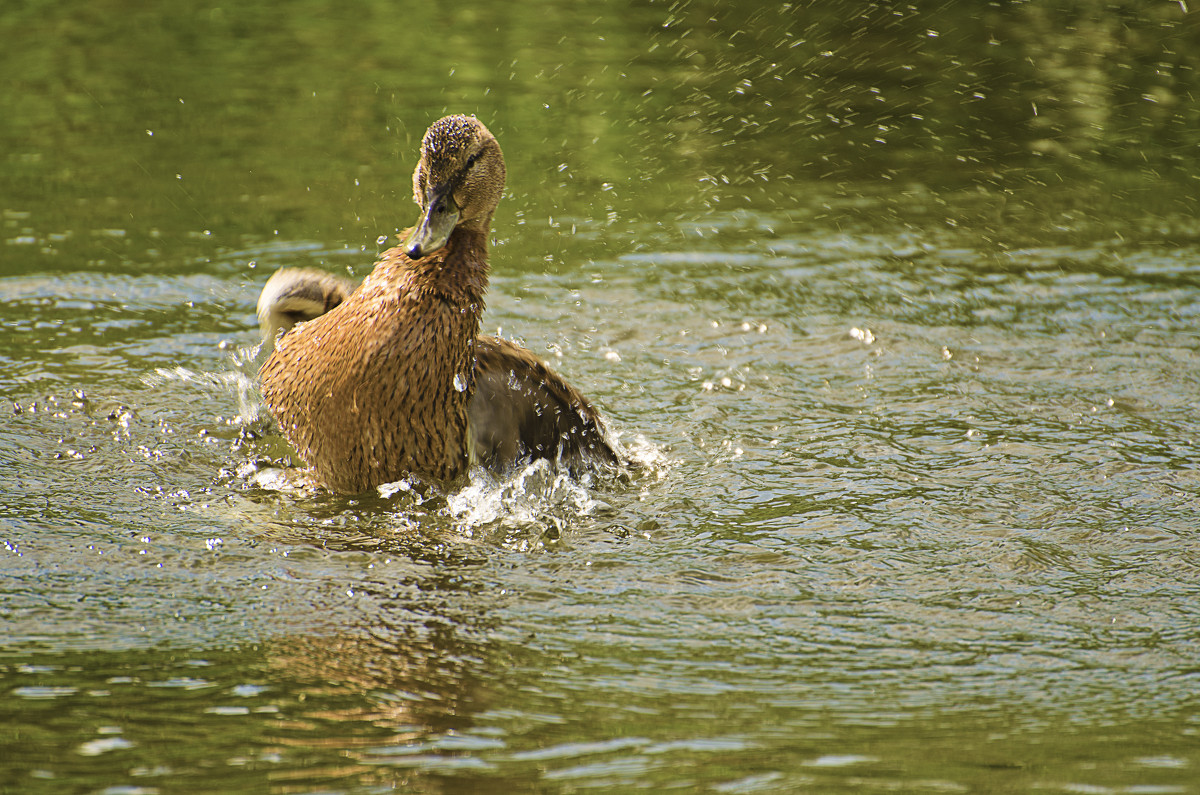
<point>393,379</point>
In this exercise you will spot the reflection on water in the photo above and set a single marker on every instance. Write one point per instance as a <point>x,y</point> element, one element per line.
<point>900,304</point>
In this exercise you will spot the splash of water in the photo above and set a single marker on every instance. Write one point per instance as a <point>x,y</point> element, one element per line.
<point>240,381</point>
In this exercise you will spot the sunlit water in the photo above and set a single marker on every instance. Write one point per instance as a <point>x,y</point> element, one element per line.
<point>918,509</point>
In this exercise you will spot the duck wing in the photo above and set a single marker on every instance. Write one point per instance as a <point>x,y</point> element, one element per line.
<point>522,410</point>
<point>296,295</point>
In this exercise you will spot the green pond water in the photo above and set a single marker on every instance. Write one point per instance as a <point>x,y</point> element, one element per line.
<point>900,304</point>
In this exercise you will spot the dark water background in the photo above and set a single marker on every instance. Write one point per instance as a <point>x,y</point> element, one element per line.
<point>903,302</point>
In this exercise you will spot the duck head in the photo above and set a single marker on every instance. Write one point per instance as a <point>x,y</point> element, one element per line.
<point>458,182</point>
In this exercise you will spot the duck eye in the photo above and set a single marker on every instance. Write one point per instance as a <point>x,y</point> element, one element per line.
<point>472,160</point>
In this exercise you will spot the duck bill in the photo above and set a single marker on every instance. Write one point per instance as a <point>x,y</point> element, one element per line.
<point>438,220</point>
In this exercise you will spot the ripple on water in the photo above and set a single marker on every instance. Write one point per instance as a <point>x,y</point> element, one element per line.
<point>901,487</point>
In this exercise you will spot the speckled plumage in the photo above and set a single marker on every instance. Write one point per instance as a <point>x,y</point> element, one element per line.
<point>394,380</point>
<point>367,392</point>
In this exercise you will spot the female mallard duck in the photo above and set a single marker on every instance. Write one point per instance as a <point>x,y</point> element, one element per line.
<point>392,379</point>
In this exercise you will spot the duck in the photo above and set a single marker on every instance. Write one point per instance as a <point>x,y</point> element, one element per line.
<point>391,379</point>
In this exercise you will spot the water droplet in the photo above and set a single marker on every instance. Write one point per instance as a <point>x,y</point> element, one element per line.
<point>863,335</point>
<point>460,383</point>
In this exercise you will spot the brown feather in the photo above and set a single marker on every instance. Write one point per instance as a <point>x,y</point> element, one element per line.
<point>523,410</point>
<point>366,392</point>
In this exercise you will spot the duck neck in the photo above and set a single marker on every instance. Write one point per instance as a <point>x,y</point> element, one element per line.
<point>456,275</point>
<point>464,276</point>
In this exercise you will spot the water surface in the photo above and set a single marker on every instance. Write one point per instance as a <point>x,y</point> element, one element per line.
<point>901,304</point>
